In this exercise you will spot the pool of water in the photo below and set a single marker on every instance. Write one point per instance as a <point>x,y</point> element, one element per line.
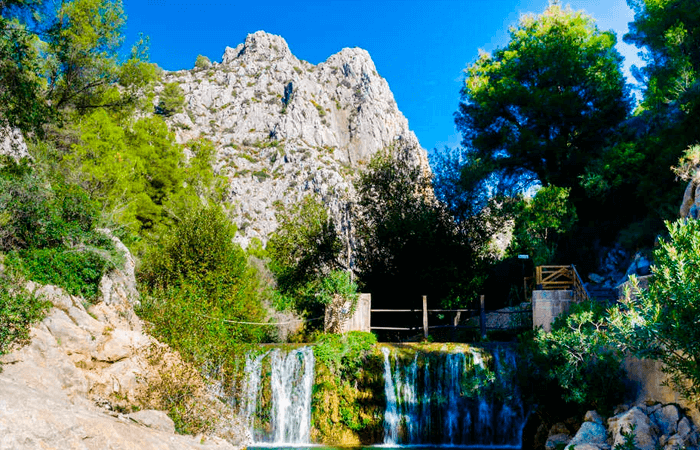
<point>384,447</point>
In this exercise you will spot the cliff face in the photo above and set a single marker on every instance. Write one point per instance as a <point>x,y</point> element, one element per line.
<point>284,128</point>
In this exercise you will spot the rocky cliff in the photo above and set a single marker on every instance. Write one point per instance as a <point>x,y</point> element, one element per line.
<point>91,378</point>
<point>284,128</point>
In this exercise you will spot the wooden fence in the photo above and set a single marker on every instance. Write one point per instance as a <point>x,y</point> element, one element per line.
<point>481,312</point>
<point>561,278</point>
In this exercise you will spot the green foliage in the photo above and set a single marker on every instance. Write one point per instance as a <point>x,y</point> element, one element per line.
<point>18,310</point>
<point>303,250</point>
<point>21,102</point>
<point>660,322</point>
<point>77,270</point>
<point>348,395</point>
<point>629,436</point>
<point>576,363</point>
<point>198,288</point>
<point>408,241</point>
<point>337,283</point>
<point>343,354</point>
<point>138,172</point>
<point>539,220</point>
<point>547,102</point>
<point>58,58</point>
<point>48,230</point>
<point>202,62</point>
<point>669,32</point>
<point>172,100</point>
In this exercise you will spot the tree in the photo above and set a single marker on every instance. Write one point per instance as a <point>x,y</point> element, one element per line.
<point>202,62</point>
<point>668,31</point>
<point>408,244</point>
<point>172,100</point>
<point>303,250</point>
<point>58,57</point>
<point>660,322</point>
<point>539,221</point>
<point>21,102</point>
<point>544,106</point>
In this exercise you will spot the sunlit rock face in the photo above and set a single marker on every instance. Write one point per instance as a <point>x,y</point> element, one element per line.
<point>284,128</point>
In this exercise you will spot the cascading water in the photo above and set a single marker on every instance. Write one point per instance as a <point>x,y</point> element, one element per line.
<point>456,399</point>
<point>291,381</point>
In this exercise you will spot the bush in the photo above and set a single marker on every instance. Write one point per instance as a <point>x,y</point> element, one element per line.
<point>18,310</point>
<point>199,287</point>
<point>202,62</point>
<point>172,100</point>
<point>661,322</point>
<point>48,230</point>
<point>577,363</point>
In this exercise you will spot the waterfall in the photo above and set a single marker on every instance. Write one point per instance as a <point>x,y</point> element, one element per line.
<point>291,381</point>
<point>452,398</point>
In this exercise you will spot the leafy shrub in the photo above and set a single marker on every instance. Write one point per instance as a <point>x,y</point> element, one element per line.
<point>577,363</point>
<point>78,271</point>
<point>349,395</point>
<point>304,250</point>
<point>172,100</point>
<point>18,310</point>
<point>661,322</point>
<point>48,230</point>
<point>202,62</point>
<point>199,287</point>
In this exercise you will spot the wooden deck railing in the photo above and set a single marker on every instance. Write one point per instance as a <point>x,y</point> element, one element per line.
<point>561,278</point>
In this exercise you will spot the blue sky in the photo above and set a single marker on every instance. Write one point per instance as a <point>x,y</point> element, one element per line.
<point>420,47</point>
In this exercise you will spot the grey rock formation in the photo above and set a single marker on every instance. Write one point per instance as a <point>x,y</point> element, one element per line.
<point>64,389</point>
<point>12,143</point>
<point>284,128</point>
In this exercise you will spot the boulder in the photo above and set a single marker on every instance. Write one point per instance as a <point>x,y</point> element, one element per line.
<point>666,418</point>
<point>591,433</point>
<point>646,432</point>
<point>556,441</point>
<point>12,143</point>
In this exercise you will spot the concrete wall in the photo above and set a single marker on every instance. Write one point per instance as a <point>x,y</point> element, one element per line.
<point>336,320</point>
<point>547,305</point>
<point>360,320</point>
<point>648,379</point>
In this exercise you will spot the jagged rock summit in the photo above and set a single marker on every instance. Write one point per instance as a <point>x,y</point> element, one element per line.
<point>284,127</point>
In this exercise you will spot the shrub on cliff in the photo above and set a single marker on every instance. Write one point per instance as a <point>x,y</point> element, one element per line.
<point>661,322</point>
<point>18,310</point>
<point>199,289</point>
<point>48,229</point>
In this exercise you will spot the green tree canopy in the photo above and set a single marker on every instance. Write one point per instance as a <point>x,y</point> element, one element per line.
<point>545,105</point>
<point>409,244</point>
<point>58,57</point>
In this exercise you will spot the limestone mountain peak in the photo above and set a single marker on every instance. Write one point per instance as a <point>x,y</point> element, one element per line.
<point>284,128</point>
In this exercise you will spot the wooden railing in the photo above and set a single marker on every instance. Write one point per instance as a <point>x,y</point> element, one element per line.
<point>480,313</point>
<point>561,278</point>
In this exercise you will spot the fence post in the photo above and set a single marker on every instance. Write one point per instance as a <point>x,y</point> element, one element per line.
<point>455,322</point>
<point>425,317</point>
<point>482,317</point>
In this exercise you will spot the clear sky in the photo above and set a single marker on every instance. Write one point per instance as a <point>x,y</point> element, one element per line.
<point>420,47</point>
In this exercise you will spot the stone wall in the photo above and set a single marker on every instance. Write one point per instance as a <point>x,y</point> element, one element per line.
<point>649,384</point>
<point>548,305</point>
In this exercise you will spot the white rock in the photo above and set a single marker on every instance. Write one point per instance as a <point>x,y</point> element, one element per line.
<point>330,119</point>
<point>645,432</point>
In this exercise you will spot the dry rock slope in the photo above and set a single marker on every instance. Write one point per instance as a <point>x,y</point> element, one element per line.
<point>75,385</point>
<point>284,128</point>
